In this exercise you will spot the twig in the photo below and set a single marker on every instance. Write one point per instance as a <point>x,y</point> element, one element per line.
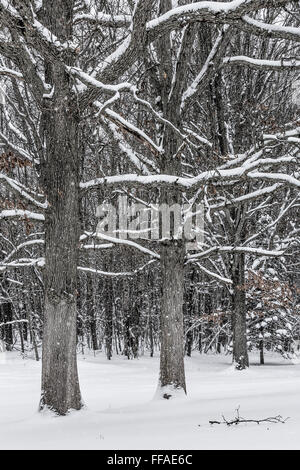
<point>239,419</point>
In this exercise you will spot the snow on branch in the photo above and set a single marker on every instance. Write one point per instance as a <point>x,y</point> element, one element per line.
<point>283,135</point>
<point>11,73</point>
<point>119,241</point>
<point>121,274</point>
<point>186,137</point>
<point>247,197</point>
<point>12,213</point>
<point>17,149</point>
<point>6,6</point>
<point>255,154</point>
<point>291,180</point>
<point>23,263</point>
<point>102,246</point>
<point>208,11</point>
<point>13,322</point>
<point>20,247</point>
<point>222,279</point>
<point>245,171</point>
<point>140,162</point>
<point>125,125</point>
<point>269,30</point>
<point>119,61</point>
<point>42,35</point>
<point>48,38</point>
<point>103,19</point>
<point>233,249</point>
<point>90,80</point>
<point>279,65</point>
<point>24,193</point>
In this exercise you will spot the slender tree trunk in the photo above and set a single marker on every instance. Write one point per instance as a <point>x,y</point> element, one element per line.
<point>6,316</point>
<point>172,375</point>
<point>31,305</point>
<point>60,386</point>
<point>91,312</point>
<point>109,318</point>
<point>240,350</point>
<point>188,314</point>
<point>21,337</point>
<point>151,333</point>
<point>261,353</point>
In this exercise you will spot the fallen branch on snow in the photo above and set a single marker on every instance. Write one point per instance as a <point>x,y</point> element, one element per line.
<point>239,419</point>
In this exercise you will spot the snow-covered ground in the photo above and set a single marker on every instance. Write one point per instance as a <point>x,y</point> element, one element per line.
<point>122,414</point>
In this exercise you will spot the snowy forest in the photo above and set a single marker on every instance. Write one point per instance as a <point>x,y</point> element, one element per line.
<point>135,105</point>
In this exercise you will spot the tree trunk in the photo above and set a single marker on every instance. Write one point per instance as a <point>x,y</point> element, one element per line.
<point>170,88</point>
<point>109,318</point>
<point>91,312</point>
<point>240,350</point>
<point>261,353</point>
<point>60,385</point>
<point>172,375</point>
<point>6,316</point>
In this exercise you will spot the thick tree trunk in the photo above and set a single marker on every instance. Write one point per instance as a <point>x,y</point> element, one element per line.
<point>240,350</point>
<point>172,375</point>
<point>60,386</point>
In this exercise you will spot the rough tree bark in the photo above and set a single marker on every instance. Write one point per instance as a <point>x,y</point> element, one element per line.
<point>60,385</point>
<point>239,325</point>
<point>172,251</point>
<point>6,316</point>
<point>172,375</point>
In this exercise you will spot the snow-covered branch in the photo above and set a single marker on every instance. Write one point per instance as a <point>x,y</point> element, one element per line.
<point>268,30</point>
<point>242,172</point>
<point>233,249</point>
<point>18,188</point>
<point>119,241</point>
<point>120,274</point>
<point>103,19</point>
<point>279,65</point>
<point>11,73</point>
<point>14,213</point>
<point>217,12</point>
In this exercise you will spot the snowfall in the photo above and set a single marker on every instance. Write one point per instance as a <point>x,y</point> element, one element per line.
<point>122,412</point>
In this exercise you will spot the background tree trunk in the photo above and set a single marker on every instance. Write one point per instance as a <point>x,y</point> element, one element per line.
<point>240,350</point>
<point>90,299</point>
